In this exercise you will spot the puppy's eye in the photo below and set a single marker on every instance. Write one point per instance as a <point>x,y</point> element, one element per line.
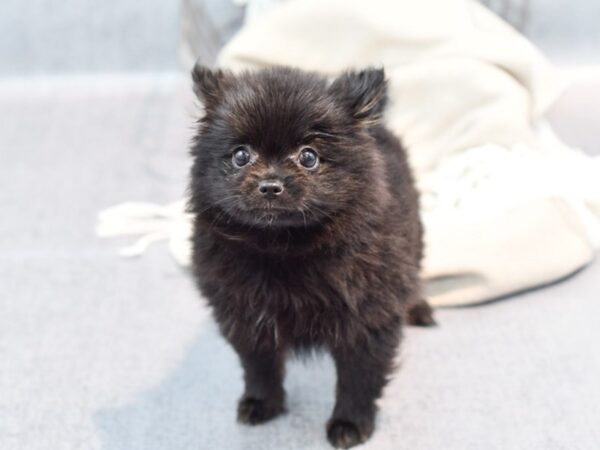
<point>240,157</point>
<point>308,158</point>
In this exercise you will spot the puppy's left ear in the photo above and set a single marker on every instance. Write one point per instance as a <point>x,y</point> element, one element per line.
<point>363,92</point>
<point>209,84</point>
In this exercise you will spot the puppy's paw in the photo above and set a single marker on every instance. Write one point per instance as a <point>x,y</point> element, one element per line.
<point>421,315</point>
<point>345,434</point>
<point>253,411</point>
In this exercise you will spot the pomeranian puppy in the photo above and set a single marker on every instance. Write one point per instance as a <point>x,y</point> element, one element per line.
<point>307,232</point>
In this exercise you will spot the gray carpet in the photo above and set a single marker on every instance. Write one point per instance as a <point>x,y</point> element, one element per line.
<point>98,352</point>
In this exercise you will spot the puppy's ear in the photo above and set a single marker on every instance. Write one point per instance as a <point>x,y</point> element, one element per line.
<point>209,84</point>
<point>363,92</point>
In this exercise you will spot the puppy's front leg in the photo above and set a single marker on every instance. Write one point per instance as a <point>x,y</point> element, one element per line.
<point>264,395</point>
<point>362,371</point>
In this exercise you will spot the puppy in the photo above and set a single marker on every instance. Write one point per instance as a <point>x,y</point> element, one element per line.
<point>307,233</point>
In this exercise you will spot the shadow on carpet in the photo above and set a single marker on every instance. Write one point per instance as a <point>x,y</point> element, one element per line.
<point>194,407</point>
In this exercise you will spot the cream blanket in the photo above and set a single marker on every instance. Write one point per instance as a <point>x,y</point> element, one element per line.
<point>506,206</point>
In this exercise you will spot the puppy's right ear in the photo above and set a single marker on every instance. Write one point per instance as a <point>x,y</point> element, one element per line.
<point>208,84</point>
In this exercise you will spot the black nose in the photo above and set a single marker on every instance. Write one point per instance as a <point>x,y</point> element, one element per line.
<point>270,188</point>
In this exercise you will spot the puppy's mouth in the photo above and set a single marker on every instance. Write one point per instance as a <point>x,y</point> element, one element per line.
<point>272,215</point>
<point>276,216</point>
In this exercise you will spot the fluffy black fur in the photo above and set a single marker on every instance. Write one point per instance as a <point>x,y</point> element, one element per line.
<point>330,258</point>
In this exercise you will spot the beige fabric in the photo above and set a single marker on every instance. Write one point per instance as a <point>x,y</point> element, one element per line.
<point>506,206</point>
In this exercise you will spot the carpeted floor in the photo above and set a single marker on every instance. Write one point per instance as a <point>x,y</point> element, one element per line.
<point>99,352</point>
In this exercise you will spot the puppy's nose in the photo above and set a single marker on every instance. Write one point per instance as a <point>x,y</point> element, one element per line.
<point>270,188</point>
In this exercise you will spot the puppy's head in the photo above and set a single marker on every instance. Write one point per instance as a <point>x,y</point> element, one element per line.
<point>284,148</point>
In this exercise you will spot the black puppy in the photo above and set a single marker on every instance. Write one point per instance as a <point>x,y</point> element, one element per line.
<point>307,232</point>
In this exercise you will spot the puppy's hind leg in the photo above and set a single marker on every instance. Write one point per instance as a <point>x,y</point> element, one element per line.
<point>419,313</point>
